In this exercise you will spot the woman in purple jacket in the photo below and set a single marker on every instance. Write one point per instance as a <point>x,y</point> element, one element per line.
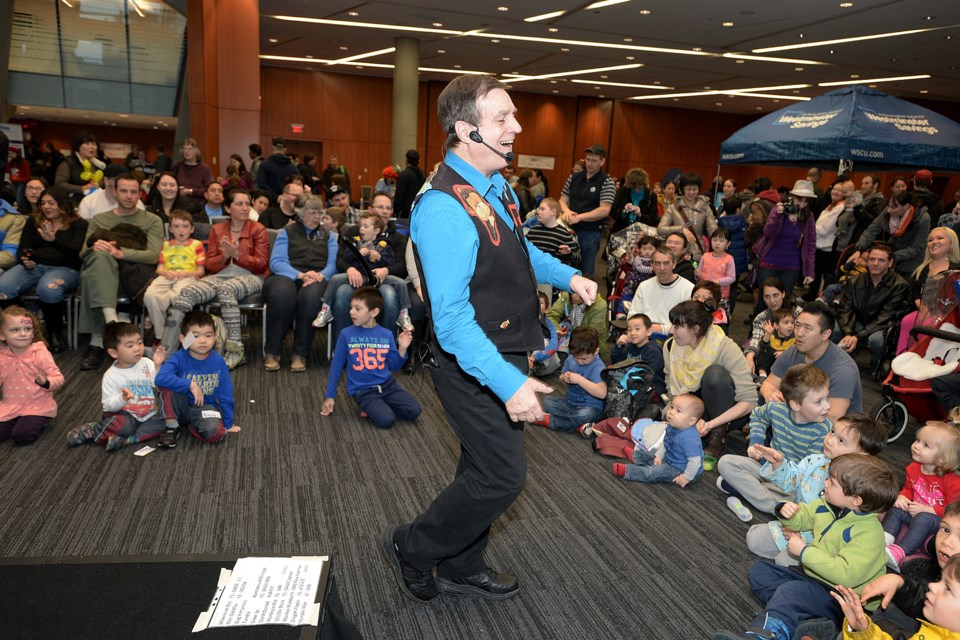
<point>789,241</point>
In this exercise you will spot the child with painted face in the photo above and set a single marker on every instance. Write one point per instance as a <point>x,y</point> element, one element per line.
<point>28,377</point>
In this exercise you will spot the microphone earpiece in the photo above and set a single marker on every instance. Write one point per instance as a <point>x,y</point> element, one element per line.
<point>475,136</point>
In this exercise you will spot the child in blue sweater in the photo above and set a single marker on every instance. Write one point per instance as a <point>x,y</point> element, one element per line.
<point>200,384</point>
<point>586,390</point>
<point>373,356</point>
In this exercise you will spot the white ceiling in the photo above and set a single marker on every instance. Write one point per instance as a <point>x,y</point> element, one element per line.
<point>679,24</point>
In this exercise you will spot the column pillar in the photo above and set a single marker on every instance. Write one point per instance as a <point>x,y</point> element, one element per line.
<point>223,47</point>
<point>6,34</point>
<point>406,79</point>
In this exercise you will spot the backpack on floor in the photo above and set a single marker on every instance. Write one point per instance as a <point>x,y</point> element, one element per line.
<point>630,392</point>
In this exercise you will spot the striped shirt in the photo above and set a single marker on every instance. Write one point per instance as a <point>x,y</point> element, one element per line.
<point>794,440</point>
<point>549,240</point>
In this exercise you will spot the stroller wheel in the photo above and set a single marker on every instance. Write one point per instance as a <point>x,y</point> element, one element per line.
<point>893,414</point>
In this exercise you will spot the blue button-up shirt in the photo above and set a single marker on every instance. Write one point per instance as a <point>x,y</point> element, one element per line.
<point>447,242</point>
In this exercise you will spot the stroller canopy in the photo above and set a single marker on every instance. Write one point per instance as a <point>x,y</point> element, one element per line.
<point>855,124</point>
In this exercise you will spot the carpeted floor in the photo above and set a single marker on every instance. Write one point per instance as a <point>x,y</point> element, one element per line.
<point>597,557</point>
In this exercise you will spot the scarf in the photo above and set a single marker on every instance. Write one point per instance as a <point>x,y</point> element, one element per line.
<point>898,226</point>
<point>576,315</point>
<point>687,365</point>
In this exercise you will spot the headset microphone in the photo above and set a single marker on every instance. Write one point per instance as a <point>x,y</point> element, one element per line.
<point>476,137</point>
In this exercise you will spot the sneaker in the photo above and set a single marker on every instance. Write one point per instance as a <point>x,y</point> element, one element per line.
<point>488,584</point>
<point>816,628</point>
<point>233,354</point>
<point>734,504</point>
<point>116,442</point>
<point>82,435</point>
<point>585,430</point>
<point>895,556</point>
<point>323,318</point>
<point>543,422</point>
<point>168,439</point>
<point>404,322</point>
<point>725,486</point>
<point>419,586</point>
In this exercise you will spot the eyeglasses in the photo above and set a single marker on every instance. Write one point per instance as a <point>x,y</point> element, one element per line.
<point>33,189</point>
<point>382,207</point>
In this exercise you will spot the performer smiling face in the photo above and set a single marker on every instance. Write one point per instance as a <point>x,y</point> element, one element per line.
<point>499,128</point>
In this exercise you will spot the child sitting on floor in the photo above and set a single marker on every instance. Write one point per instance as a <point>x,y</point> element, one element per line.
<point>795,428</point>
<point>545,361</point>
<point>855,433</point>
<point>200,384</point>
<point>679,459</point>
<point>373,356</point>
<point>846,549</point>
<point>134,409</point>
<point>570,312</point>
<point>586,390</point>
<point>941,612</point>
<point>28,377</point>
<point>636,343</point>
<point>777,338</point>
<point>931,484</point>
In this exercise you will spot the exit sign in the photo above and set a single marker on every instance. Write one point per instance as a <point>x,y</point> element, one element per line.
<point>296,128</point>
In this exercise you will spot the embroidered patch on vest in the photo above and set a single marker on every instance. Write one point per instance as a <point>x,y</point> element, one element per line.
<point>477,207</point>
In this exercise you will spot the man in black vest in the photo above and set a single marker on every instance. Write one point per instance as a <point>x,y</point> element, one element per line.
<point>479,279</point>
<point>586,200</point>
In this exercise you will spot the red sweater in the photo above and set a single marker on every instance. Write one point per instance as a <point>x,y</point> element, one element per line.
<point>930,490</point>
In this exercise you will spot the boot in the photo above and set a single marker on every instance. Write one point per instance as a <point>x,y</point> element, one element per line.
<point>715,442</point>
<point>233,354</point>
<point>53,323</point>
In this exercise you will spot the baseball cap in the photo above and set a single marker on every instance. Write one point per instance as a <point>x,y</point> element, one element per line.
<point>279,143</point>
<point>597,150</point>
<point>334,190</point>
<point>924,175</point>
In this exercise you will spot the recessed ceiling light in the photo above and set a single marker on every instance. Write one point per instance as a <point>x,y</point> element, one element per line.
<point>727,24</point>
<point>123,115</point>
<point>854,75</point>
<point>553,82</point>
<point>343,47</point>
<point>924,91</point>
<point>893,60</point>
<point>556,91</point>
<point>796,90</point>
<point>645,12</point>
<point>358,67</point>
<point>308,56</point>
<point>776,101</point>
<point>438,24</point>
<point>456,66</point>
<point>656,82</point>
<point>596,88</point>
<point>353,14</point>
<point>930,17</point>
<point>631,57</point>
<point>706,88</point>
<point>719,104</point>
<point>798,68</point>
<point>601,96</point>
<point>553,29</point>
<point>604,77</point>
<point>759,108</point>
<point>801,36</point>
<point>948,37</point>
<point>676,99</point>
<point>846,5</point>
<point>740,61</point>
<point>441,50</point>
<point>628,39</point>
<point>697,49</point>
<point>564,49</point>
<point>272,40</point>
<point>505,59</point>
<point>503,8</point>
<point>494,41</point>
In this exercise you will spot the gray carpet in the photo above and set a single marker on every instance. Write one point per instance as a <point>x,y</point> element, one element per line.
<point>597,557</point>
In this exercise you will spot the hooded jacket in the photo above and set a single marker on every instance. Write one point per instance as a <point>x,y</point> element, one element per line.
<point>22,396</point>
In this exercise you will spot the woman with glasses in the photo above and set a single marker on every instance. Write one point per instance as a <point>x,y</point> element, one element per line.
<point>29,202</point>
<point>304,259</point>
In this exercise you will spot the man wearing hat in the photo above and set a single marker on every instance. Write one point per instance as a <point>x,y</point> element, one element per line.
<point>586,200</point>
<point>276,169</point>
<point>408,184</point>
<point>105,199</point>
<point>339,197</point>
<point>922,180</point>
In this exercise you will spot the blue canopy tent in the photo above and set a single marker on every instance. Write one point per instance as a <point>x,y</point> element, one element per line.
<point>854,124</point>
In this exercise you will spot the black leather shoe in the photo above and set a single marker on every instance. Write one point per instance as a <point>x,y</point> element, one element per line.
<point>487,584</point>
<point>55,343</point>
<point>92,358</point>
<point>417,585</point>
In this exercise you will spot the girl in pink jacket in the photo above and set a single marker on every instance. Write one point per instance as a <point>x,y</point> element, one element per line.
<point>28,377</point>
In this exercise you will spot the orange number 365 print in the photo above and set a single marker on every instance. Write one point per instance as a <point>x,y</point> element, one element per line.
<point>369,358</point>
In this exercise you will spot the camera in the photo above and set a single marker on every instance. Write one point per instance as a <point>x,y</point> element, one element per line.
<point>790,207</point>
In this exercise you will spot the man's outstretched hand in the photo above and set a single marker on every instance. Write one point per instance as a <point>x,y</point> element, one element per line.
<point>524,406</point>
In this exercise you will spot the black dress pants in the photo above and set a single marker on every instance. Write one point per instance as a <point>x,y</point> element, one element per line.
<point>453,532</point>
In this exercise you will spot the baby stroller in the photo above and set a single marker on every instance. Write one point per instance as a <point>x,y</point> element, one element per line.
<point>906,389</point>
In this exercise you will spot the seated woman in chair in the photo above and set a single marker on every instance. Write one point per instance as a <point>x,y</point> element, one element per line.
<point>304,259</point>
<point>237,261</point>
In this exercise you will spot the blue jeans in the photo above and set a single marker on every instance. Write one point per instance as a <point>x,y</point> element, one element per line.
<point>340,295</point>
<point>385,404</point>
<point>567,417</point>
<point>53,283</point>
<point>589,240</point>
<point>789,598</point>
<point>919,528</point>
<point>643,469</point>
<point>874,343</point>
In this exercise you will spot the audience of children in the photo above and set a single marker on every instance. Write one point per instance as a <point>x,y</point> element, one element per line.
<point>199,382</point>
<point>794,428</point>
<point>679,458</point>
<point>134,409</point>
<point>846,549</point>
<point>636,343</point>
<point>546,361</point>
<point>28,377</point>
<point>373,356</point>
<point>931,484</point>
<point>586,390</point>
<point>804,479</point>
<point>181,262</point>
<point>777,338</point>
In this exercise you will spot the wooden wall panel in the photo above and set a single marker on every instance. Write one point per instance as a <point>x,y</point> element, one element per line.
<point>594,125</point>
